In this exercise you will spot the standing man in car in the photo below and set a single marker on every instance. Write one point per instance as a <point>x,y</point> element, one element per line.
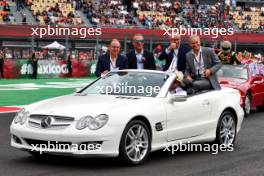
<point>174,54</point>
<point>112,60</point>
<point>139,58</point>
<point>2,56</point>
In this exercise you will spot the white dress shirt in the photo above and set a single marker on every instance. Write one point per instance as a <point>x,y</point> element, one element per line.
<point>113,64</point>
<point>140,60</point>
<point>174,62</point>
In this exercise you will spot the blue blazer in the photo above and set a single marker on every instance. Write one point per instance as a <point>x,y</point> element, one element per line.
<point>181,64</point>
<point>103,63</point>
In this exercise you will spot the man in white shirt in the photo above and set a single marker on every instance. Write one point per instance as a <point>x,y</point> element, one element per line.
<point>174,55</point>
<point>112,60</point>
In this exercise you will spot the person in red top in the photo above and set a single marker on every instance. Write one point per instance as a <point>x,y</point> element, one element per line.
<point>3,3</point>
<point>3,13</point>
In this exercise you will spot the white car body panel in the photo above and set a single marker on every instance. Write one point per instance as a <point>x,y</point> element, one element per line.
<point>194,120</point>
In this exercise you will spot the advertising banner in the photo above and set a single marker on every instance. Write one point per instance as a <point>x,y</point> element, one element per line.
<point>48,68</point>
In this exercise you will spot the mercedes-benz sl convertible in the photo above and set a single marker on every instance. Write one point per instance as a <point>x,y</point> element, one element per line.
<point>128,114</point>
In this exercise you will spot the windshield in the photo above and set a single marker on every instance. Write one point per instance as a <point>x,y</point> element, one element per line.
<point>233,72</point>
<point>128,84</point>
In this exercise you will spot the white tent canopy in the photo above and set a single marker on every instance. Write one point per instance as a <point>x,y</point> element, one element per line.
<point>54,45</point>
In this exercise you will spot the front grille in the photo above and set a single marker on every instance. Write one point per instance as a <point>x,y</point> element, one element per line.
<point>57,121</point>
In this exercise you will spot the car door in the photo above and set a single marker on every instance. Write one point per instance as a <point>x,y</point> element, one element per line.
<point>189,118</point>
<point>258,86</point>
<point>262,89</point>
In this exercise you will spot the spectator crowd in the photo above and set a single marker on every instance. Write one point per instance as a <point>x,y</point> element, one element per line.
<point>150,14</point>
<point>6,15</point>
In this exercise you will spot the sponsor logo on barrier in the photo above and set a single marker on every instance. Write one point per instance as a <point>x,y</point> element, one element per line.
<point>45,69</point>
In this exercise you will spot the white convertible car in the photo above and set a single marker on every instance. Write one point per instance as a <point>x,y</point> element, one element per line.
<point>127,113</point>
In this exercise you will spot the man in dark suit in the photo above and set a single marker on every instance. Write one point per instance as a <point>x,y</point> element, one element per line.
<point>174,55</point>
<point>34,65</point>
<point>112,60</point>
<point>2,56</point>
<point>140,58</point>
<point>69,66</point>
<point>201,66</point>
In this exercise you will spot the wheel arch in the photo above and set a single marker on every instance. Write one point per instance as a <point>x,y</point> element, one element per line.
<point>144,120</point>
<point>230,109</point>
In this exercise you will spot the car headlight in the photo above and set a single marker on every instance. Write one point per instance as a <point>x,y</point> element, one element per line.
<point>98,122</point>
<point>93,123</point>
<point>21,117</point>
<point>83,122</point>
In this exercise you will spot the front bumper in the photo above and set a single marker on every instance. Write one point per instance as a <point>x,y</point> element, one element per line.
<point>68,141</point>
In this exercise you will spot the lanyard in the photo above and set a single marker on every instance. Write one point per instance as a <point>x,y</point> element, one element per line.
<point>200,60</point>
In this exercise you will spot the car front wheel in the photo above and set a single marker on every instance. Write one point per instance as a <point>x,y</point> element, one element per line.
<point>135,143</point>
<point>226,129</point>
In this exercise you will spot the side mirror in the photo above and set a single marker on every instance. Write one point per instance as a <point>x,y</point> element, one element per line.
<point>177,98</point>
<point>255,80</point>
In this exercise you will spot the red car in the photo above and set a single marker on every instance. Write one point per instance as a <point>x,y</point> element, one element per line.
<point>251,86</point>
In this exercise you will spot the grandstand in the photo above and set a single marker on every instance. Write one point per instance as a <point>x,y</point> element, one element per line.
<point>249,19</point>
<point>147,14</point>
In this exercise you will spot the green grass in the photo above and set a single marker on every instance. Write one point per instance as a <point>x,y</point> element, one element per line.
<point>24,97</point>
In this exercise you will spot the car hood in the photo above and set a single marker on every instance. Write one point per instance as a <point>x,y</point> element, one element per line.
<point>231,82</point>
<point>78,106</point>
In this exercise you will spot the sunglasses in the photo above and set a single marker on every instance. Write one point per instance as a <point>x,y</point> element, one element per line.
<point>139,41</point>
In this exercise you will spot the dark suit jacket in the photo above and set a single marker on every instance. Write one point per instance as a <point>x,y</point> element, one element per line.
<point>103,63</point>
<point>210,60</point>
<point>181,64</point>
<point>149,63</point>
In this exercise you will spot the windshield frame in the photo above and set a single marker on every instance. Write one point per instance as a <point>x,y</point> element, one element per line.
<point>160,94</point>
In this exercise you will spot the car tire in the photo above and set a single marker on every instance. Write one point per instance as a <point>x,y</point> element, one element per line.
<point>135,143</point>
<point>247,107</point>
<point>226,129</point>
<point>261,108</point>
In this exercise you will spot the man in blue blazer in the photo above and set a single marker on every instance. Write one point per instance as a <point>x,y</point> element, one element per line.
<point>112,60</point>
<point>139,58</point>
<point>174,55</point>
